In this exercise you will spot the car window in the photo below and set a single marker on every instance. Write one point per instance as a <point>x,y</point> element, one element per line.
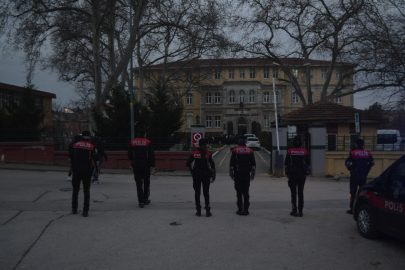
<point>253,139</point>
<point>396,176</point>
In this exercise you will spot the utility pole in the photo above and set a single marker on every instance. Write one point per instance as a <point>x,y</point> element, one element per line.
<point>131,87</point>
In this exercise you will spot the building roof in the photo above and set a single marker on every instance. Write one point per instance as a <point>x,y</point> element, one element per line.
<point>5,86</point>
<point>244,62</point>
<point>328,112</point>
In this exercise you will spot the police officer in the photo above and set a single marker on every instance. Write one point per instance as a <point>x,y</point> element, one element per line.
<point>77,138</point>
<point>81,155</point>
<point>142,159</point>
<point>98,143</point>
<point>359,164</point>
<point>242,168</point>
<point>297,168</point>
<point>202,173</point>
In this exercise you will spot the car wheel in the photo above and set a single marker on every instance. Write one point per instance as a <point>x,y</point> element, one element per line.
<point>366,222</point>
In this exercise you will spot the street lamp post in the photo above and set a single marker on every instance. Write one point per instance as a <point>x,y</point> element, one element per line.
<point>131,87</point>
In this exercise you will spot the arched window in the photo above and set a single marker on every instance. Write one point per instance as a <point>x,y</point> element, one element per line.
<point>251,96</point>
<point>242,96</point>
<point>231,96</point>
<point>217,98</point>
<point>242,121</point>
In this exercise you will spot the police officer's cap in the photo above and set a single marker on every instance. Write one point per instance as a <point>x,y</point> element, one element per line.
<point>86,134</point>
<point>142,132</point>
<point>360,142</point>
<point>202,142</point>
<point>297,141</point>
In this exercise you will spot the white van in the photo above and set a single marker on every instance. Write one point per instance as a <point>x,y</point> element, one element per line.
<point>389,140</point>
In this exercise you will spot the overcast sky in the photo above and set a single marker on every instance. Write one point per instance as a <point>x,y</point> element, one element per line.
<point>12,71</point>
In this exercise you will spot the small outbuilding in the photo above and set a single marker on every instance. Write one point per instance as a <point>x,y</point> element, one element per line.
<point>330,134</point>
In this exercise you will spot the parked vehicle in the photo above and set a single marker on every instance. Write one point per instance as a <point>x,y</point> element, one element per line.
<point>250,135</point>
<point>379,205</point>
<point>389,140</point>
<point>253,142</point>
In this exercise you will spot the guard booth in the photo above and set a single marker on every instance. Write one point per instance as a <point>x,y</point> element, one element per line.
<point>197,133</point>
<point>321,126</point>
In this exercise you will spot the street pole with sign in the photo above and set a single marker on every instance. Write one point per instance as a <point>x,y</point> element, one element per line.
<point>357,123</point>
<point>275,115</point>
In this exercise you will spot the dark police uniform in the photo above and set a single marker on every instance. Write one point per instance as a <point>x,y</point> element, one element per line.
<point>242,168</point>
<point>297,168</point>
<point>142,159</point>
<point>201,176</point>
<point>359,164</point>
<point>81,155</point>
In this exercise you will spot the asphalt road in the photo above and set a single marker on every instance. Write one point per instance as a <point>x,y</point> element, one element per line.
<point>38,230</point>
<point>262,162</point>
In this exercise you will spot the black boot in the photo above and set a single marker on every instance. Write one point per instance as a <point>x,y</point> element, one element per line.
<point>208,211</point>
<point>246,208</point>
<point>198,213</point>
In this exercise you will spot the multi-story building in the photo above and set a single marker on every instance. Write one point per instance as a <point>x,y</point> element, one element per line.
<point>235,96</point>
<point>12,93</point>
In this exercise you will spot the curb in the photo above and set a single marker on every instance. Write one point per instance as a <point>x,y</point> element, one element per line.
<point>216,152</point>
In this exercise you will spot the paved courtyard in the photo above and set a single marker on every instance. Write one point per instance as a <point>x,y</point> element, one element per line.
<point>38,230</point>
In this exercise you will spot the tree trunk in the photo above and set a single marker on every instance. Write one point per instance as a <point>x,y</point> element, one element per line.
<point>95,20</point>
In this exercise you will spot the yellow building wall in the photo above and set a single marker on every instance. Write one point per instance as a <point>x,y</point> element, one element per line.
<point>47,107</point>
<point>335,162</point>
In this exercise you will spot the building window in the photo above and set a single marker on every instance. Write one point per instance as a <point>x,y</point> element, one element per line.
<point>147,99</point>
<point>208,121</point>
<point>266,97</point>
<point>147,77</point>
<point>189,99</point>
<point>241,73</point>
<point>6,98</point>
<point>252,73</point>
<point>295,73</point>
<point>266,121</point>
<point>189,76</point>
<point>265,73</point>
<point>338,74</point>
<point>275,73</point>
<point>311,74</point>
<point>242,96</point>
<point>339,99</point>
<point>175,78</point>
<point>208,98</point>
<point>17,98</point>
<point>231,74</point>
<point>217,121</point>
<point>276,97</point>
<point>231,96</point>
<point>251,96</point>
<point>217,98</point>
<point>189,120</point>
<point>38,102</point>
<point>208,75</point>
<point>332,142</point>
<point>217,74</point>
<point>323,72</point>
<point>295,98</point>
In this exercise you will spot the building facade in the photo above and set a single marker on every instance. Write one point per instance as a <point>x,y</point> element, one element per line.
<point>12,93</point>
<point>235,96</point>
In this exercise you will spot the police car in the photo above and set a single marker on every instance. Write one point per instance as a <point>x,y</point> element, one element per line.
<point>379,205</point>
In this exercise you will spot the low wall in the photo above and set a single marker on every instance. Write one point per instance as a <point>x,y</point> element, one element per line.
<point>43,153</point>
<point>335,162</point>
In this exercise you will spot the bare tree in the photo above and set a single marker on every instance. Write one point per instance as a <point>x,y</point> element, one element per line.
<point>312,29</point>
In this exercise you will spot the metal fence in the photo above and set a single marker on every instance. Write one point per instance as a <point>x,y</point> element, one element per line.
<point>371,143</point>
<point>109,143</point>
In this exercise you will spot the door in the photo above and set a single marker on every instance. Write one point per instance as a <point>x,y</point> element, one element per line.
<point>392,196</point>
<point>230,128</point>
<point>242,127</point>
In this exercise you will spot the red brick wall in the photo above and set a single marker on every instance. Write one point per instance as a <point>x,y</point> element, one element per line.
<point>43,153</point>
